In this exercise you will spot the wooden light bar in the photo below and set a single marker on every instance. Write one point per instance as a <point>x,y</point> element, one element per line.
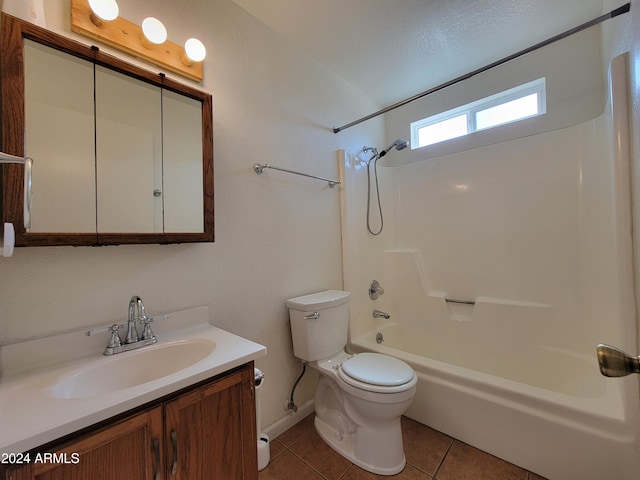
<point>127,37</point>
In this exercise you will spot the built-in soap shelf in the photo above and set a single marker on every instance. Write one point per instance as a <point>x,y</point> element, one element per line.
<point>8,240</point>
<point>407,264</point>
<point>471,302</point>
<point>462,309</point>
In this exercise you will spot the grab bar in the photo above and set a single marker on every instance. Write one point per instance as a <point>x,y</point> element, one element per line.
<point>460,302</point>
<point>259,168</point>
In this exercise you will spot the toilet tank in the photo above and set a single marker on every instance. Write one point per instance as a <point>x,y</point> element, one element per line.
<point>319,324</point>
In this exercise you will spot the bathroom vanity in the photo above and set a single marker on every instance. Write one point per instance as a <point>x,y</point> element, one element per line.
<point>207,431</point>
<point>62,421</point>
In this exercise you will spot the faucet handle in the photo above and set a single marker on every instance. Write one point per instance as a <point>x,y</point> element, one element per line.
<point>147,333</point>
<point>115,340</point>
<point>103,329</point>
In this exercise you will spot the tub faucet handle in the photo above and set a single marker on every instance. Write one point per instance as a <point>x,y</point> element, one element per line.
<point>375,290</point>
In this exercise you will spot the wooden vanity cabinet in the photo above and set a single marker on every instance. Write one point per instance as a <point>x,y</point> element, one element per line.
<point>210,432</point>
<point>207,432</point>
<point>129,448</point>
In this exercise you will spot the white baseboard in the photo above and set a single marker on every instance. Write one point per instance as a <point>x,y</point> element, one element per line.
<point>288,421</point>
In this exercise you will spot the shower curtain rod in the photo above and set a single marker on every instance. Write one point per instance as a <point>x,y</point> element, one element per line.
<point>614,13</point>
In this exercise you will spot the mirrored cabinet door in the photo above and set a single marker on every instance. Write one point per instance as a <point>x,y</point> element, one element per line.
<point>128,153</point>
<point>59,133</point>
<point>182,164</point>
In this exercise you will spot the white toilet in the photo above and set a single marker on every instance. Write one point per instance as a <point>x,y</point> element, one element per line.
<point>360,398</point>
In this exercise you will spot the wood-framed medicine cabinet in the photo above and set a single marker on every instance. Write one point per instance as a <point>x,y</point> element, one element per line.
<point>120,155</point>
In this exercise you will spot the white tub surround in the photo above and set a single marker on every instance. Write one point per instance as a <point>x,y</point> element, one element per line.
<point>35,410</point>
<point>503,267</point>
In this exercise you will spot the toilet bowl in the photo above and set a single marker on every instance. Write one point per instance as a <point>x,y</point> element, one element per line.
<point>359,398</point>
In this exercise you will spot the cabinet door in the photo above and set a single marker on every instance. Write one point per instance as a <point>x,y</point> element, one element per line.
<point>130,449</point>
<point>19,473</point>
<point>210,433</point>
<point>59,133</point>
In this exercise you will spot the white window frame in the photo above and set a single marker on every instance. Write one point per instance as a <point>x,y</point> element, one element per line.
<point>471,109</point>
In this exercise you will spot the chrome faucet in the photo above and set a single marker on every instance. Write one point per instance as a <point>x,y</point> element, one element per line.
<point>132,331</point>
<point>380,314</point>
<point>132,340</point>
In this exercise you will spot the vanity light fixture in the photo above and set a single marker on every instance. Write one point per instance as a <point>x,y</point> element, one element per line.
<point>153,32</point>
<point>103,11</point>
<point>99,20</point>
<point>194,51</point>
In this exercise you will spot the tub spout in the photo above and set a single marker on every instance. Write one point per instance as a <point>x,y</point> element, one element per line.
<point>379,314</point>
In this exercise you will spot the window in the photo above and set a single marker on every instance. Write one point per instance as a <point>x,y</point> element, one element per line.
<point>524,101</point>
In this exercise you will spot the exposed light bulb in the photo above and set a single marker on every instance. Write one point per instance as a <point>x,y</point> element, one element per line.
<point>153,31</point>
<point>194,51</point>
<point>103,11</point>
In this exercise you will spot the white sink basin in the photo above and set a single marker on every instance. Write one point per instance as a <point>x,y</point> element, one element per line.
<point>54,386</point>
<point>129,369</point>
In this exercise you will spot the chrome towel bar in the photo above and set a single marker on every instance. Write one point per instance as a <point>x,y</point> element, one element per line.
<point>28,165</point>
<point>259,168</point>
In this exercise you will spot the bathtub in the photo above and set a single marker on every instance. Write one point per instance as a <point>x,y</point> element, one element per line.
<point>573,426</point>
<point>503,267</point>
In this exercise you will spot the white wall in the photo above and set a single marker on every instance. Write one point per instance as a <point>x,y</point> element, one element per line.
<point>277,235</point>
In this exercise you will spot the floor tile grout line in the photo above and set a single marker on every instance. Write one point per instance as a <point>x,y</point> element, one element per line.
<point>435,474</point>
<point>346,471</point>
<point>528,474</point>
<point>304,461</point>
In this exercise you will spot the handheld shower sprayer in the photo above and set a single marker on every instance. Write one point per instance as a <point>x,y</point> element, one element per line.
<point>399,144</point>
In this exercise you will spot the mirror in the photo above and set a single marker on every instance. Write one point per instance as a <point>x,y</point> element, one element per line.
<point>120,155</point>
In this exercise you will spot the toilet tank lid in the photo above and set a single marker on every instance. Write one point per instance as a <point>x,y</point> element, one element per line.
<point>318,301</point>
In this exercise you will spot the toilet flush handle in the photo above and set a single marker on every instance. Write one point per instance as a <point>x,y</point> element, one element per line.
<point>313,316</point>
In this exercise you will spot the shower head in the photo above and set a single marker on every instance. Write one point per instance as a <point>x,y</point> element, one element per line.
<point>398,145</point>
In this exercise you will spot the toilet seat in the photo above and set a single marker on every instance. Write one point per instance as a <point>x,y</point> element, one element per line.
<point>375,372</point>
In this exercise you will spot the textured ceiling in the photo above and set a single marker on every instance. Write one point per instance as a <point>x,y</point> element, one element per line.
<point>394,49</point>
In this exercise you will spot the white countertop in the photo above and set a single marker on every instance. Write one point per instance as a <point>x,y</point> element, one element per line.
<point>30,415</point>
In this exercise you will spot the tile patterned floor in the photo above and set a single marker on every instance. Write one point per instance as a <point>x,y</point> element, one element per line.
<point>300,453</point>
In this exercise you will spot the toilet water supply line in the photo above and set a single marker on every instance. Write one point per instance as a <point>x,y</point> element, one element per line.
<point>292,405</point>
